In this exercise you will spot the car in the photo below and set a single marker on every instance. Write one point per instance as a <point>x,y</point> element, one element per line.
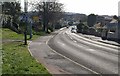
<point>67,26</point>
<point>73,30</point>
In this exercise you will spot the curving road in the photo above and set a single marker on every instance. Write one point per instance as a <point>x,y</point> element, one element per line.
<point>95,56</point>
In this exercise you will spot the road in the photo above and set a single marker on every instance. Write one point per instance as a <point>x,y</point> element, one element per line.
<point>94,56</point>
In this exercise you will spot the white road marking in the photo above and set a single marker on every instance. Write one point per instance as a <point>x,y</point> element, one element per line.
<point>62,29</point>
<point>71,38</point>
<point>40,43</point>
<point>61,43</point>
<point>76,62</point>
<point>99,43</point>
<point>80,46</point>
<point>74,41</point>
<point>63,32</point>
<point>92,50</point>
<point>72,60</point>
<point>60,32</point>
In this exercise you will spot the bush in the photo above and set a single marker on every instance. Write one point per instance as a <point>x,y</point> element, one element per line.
<point>58,26</point>
<point>92,31</point>
<point>80,27</point>
<point>85,29</point>
<point>98,31</point>
<point>38,32</point>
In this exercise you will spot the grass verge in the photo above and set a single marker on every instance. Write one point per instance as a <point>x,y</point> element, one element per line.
<point>16,57</point>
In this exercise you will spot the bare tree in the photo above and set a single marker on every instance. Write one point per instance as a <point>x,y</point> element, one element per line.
<point>51,11</point>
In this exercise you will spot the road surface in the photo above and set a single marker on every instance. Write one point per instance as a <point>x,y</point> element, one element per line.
<point>94,56</point>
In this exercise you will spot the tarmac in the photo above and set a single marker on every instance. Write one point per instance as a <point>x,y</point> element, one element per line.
<point>52,60</point>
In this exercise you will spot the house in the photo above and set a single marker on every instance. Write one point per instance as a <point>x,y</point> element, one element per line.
<point>111,31</point>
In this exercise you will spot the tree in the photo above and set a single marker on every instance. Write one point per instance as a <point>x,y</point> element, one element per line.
<point>51,12</point>
<point>82,28</point>
<point>11,11</point>
<point>91,20</point>
<point>115,17</point>
<point>11,8</point>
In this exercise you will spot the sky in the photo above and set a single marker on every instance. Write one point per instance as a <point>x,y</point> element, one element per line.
<point>100,7</point>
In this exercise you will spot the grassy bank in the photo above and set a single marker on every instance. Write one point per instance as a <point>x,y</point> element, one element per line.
<point>16,57</point>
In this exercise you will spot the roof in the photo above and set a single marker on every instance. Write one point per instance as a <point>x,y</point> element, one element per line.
<point>114,21</point>
<point>112,26</point>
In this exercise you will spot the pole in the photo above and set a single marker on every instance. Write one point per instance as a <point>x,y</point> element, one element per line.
<point>25,32</point>
<point>30,29</point>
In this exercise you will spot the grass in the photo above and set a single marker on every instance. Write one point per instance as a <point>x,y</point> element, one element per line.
<point>0,51</point>
<point>16,57</point>
<point>8,34</point>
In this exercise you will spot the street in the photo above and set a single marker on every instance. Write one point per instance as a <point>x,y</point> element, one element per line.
<point>60,37</point>
<point>94,56</point>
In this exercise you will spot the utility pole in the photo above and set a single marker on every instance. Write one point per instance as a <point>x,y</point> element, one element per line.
<point>25,32</point>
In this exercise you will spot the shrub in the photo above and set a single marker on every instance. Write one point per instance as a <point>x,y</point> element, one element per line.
<point>80,27</point>
<point>85,29</point>
<point>92,31</point>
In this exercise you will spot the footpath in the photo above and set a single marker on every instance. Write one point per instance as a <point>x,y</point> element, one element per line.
<point>42,53</point>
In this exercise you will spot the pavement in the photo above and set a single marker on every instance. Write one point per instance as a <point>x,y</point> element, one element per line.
<point>52,60</point>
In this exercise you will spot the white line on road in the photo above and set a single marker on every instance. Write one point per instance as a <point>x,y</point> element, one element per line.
<point>62,29</point>
<point>61,43</point>
<point>92,50</point>
<point>63,32</point>
<point>95,42</point>
<point>70,37</point>
<point>74,41</point>
<point>74,61</point>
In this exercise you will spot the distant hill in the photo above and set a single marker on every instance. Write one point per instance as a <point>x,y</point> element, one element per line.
<point>69,16</point>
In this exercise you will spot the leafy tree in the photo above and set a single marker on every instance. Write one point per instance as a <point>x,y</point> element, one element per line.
<point>91,20</point>
<point>80,27</point>
<point>115,17</point>
<point>11,8</point>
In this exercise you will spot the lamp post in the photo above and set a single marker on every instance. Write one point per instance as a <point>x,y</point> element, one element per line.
<point>25,32</point>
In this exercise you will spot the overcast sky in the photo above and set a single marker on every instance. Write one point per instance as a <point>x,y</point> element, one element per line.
<point>100,7</point>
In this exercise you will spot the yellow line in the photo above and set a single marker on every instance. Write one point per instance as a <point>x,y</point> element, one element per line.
<point>29,49</point>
